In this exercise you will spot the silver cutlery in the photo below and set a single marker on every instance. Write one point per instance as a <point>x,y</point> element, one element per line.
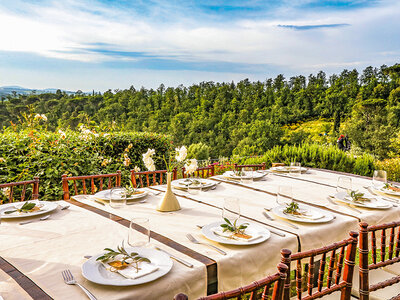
<point>283,221</point>
<point>87,256</point>
<point>36,220</point>
<point>394,202</point>
<point>184,262</point>
<point>69,279</point>
<point>195,241</point>
<point>348,206</point>
<point>65,207</point>
<point>136,202</point>
<point>270,230</point>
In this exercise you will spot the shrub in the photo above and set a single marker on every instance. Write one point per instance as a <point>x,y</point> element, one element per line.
<point>30,153</point>
<point>199,151</point>
<point>317,156</point>
<point>392,167</point>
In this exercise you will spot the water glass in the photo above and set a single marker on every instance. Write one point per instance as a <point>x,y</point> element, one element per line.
<point>344,184</point>
<point>117,197</point>
<point>139,232</point>
<point>248,176</point>
<point>284,195</point>
<point>194,189</point>
<point>379,179</point>
<point>295,169</point>
<point>231,209</point>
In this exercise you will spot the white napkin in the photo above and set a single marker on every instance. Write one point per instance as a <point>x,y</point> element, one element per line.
<point>219,232</point>
<point>130,272</point>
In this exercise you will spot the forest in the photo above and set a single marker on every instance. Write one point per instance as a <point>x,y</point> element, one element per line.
<point>243,118</point>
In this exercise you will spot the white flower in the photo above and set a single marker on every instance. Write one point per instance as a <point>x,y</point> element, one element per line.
<point>191,166</point>
<point>181,153</point>
<point>2,160</point>
<point>149,163</point>
<point>44,118</point>
<point>6,192</point>
<point>40,117</point>
<point>62,134</point>
<point>136,169</point>
<point>127,160</point>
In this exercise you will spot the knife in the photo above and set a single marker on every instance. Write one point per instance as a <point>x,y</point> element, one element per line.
<point>286,222</point>
<point>184,262</point>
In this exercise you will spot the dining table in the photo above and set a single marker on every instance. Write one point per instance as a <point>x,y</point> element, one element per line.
<point>32,256</point>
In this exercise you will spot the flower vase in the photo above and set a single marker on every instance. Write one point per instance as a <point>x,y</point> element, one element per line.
<point>169,201</point>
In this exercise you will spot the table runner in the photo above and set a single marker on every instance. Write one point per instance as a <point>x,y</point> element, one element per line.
<point>241,266</point>
<point>43,259</point>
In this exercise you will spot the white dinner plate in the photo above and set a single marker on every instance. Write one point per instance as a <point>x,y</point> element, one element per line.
<point>286,169</point>
<point>205,183</point>
<point>389,192</point>
<point>315,215</point>
<point>252,229</point>
<point>105,195</point>
<point>256,175</point>
<point>375,202</point>
<point>47,206</point>
<point>95,271</point>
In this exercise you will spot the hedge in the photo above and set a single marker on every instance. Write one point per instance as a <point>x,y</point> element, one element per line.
<point>30,153</point>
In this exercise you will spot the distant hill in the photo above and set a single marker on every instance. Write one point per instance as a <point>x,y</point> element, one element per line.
<point>8,90</point>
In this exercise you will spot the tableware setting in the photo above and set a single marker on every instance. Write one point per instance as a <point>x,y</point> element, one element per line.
<point>302,213</point>
<point>131,195</point>
<point>26,209</point>
<point>363,200</point>
<point>288,169</point>
<point>243,175</point>
<point>126,266</point>
<point>193,183</point>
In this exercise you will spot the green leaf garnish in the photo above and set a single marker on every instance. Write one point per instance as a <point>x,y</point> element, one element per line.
<point>292,208</point>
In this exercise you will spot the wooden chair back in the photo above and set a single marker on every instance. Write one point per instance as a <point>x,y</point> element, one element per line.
<point>202,172</point>
<point>255,167</point>
<point>89,183</point>
<point>150,178</point>
<point>257,290</point>
<point>342,252</point>
<point>389,246</point>
<point>9,191</point>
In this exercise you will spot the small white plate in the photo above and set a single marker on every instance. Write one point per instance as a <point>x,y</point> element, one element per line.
<point>47,206</point>
<point>105,195</point>
<point>375,202</point>
<point>389,192</point>
<point>286,169</point>
<point>256,175</point>
<point>95,271</point>
<point>252,229</point>
<point>205,183</point>
<point>317,215</point>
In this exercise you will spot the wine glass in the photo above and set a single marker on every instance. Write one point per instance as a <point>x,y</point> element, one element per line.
<point>344,184</point>
<point>295,169</point>
<point>247,177</point>
<point>284,195</point>
<point>139,232</point>
<point>117,197</point>
<point>231,209</point>
<point>193,188</point>
<point>379,179</point>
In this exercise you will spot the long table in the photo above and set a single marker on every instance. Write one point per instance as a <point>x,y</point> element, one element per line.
<point>33,256</point>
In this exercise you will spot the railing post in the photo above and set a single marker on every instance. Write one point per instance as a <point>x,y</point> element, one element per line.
<point>349,266</point>
<point>363,261</point>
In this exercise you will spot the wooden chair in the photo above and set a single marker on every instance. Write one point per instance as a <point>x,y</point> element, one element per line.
<point>316,289</point>
<point>82,188</point>
<point>256,290</point>
<point>255,167</point>
<point>203,172</point>
<point>374,282</point>
<point>150,178</point>
<point>24,184</point>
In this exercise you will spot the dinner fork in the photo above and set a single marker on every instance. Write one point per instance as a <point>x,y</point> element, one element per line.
<point>36,220</point>
<point>195,241</point>
<point>348,206</point>
<point>69,279</point>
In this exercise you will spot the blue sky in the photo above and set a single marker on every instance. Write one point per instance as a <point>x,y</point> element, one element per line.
<point>103,44</point>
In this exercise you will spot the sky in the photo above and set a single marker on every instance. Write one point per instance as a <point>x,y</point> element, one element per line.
<point>107,44</point>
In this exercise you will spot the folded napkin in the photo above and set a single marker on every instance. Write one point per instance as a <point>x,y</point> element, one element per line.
<point>228,235</point>
<point>308,214</point>
<point>130,272</point>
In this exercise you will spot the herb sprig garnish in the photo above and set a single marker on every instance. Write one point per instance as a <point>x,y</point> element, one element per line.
<point>292,208</point>
<point>357,196</point>
<point>25,208</point>
<point>239,173</point>
<point>392,187</point>
<point>133,257</point>
<point>228,226</point>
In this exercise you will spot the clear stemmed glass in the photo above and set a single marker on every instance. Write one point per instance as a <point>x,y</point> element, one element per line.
<point>295,169</point>
<point>284,195</point>
<point>117,197</point>
<point>379,179</point>
<point>344,184</point>
<point>139,232</point>
<point>194,189</point>
<point>248,175</point>
<point>231,209</point>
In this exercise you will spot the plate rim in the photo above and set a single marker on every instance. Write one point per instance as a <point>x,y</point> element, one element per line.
<point>175,183</point>
<point>245,177</point>
<point>228,242</point>
<point>38,213</point>
<point>129,282</point>
<point>130,198</point>
<point>327,216</point>
<point>389,205</point>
